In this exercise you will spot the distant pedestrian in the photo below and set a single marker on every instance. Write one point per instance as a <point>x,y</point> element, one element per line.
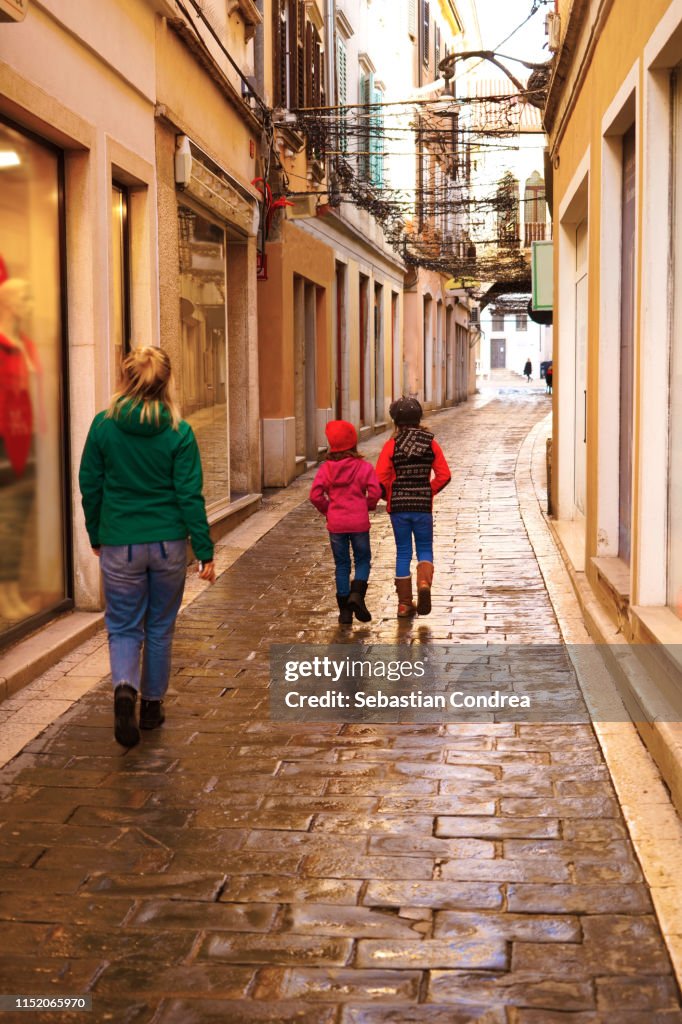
<point>528,370</point>
<point>346,490</point>
<point>141,485</point>
<point>549,378</point>
<point>412,470</point>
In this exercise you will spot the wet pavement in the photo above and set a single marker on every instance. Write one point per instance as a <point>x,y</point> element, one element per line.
<point>232,868</point>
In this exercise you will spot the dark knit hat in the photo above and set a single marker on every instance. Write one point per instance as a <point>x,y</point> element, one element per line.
<point>342,436</point>
<point>406,412</point>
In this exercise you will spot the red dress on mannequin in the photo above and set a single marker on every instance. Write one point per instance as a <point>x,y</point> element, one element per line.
<point>16,406</point>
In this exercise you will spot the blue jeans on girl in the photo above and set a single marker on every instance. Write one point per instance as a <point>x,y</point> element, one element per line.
<point>362,555</point>
<point>407,525</point>
<point>143,587</point>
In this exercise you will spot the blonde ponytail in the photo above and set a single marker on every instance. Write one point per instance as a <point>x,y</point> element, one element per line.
<point>146,381</point>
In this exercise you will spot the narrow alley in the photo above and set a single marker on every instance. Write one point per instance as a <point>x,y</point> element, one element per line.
<point>237,869</point>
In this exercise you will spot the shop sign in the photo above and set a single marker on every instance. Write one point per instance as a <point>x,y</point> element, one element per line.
<point>13,10</point>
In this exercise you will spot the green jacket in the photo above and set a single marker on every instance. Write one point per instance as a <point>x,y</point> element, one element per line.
<point>142,482</point>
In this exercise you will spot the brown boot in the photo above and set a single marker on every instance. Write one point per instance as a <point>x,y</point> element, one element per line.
<point>424,581</point>
<point>406,606</point>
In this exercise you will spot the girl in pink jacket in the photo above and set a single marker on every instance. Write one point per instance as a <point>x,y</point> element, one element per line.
<point>345,490</point>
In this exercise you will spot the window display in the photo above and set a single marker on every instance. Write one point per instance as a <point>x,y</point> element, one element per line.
<point>203,312</point>
<point>32,537</point>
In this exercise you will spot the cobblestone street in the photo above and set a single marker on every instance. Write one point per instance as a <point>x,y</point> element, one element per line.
<point>232,868</point>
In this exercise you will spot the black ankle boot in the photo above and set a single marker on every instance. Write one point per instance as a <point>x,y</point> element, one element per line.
<point>125,726</point>
<point>345,613</point>
<point>151,714</point>
<point>356,600</point>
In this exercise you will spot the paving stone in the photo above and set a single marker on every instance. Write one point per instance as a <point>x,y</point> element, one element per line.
<point>581,807</point>
<point>386,824</point>
<point>548,869</point>
<point>173,915</point>
<point>579,899</point>
<point>521,989</point>
<point>343,891</point>
<point>276,949</point>
<point>450,1014</point>
<point>356,922</point>
<point>321,865</point>
<point>637,993</point>
<point>196,1011</point>
<point>624,1017</point>
<point>478,952</point>
<point>25,974</point>
<point>411,845</point>
<point>497,828</point>
<point>338,985</point>
<point>512,927</point>
<point>168,886</point>
<point>437,894</point>
<point>222,980</point>
<point>80,909</point>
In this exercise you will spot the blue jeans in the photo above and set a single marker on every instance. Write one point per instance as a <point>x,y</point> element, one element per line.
<point>143,587</point>
<point>405,526</point>
<point>362,555</point>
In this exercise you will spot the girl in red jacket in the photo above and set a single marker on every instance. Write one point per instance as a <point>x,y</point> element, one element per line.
<point>411,470</point>
<point>345,490</point>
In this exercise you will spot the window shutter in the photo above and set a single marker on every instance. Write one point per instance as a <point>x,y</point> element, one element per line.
<point>300,54</point>
<point>282,58</point>
<point>341,72</point>
<point>436,55</point>
<point>412,18</point>
<point>426,35</point>
<point>292,53</point>
<point>365,135</point>
<point>309,94</point>
<point>377,142</point>
<point>342,92</point>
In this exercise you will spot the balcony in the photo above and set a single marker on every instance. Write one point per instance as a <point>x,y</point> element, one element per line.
<point>536,232</point>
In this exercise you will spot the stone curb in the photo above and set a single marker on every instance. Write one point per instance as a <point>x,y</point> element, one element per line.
<point>653,823</point>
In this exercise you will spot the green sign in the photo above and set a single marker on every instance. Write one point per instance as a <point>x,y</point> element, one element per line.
<point>542,267</point>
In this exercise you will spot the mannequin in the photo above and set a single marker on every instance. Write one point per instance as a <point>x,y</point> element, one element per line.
<point>19,376</point>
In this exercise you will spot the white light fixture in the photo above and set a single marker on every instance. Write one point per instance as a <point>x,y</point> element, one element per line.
<point>9,158</point>
<point>183,161</point>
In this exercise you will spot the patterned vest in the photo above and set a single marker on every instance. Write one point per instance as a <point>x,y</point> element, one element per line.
<point>412,458</point>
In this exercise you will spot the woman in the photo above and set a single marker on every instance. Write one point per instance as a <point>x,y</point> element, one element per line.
<point>141,483</point>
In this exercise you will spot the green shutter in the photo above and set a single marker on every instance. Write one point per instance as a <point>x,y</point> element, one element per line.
<point>365,135</point>
<point>342,89</point>
<point>377,140</point>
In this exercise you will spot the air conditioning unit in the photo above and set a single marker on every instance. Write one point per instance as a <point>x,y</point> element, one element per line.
<point>553,30</point>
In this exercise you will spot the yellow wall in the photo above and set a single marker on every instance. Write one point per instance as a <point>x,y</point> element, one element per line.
<point>296,253</point>
<point>192,98</point>
<point>620,43</point>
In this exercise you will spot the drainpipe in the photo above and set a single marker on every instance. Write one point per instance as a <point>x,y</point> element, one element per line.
<point>259,53</point>
<point>330,47</point>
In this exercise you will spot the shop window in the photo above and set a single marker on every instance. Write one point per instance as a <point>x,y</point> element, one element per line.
<point>33,466</point>
<point>120,269</point>
<point>203,316</point>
